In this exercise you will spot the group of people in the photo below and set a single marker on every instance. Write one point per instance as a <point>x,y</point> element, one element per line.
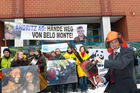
<point>120,64</point>
<point>69,55</point>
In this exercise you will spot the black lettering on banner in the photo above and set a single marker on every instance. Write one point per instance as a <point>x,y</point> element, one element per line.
<point>68,29</point>
<point>54,28</point>
<point>48,35</point>
<point>64,35</point>
<point>37,34</point>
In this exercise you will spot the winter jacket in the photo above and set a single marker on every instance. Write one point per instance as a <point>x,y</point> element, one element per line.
<point>80,71</point>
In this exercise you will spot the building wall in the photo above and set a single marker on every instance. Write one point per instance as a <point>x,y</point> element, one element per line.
<point>50,8</point>
<point>2,43</point>
<point>129,25</point>
<point>121,26</point>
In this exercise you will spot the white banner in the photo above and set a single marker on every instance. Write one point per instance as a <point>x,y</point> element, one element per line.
<point>2,48</point>
<point>52,47</point>
<point>45,32</point>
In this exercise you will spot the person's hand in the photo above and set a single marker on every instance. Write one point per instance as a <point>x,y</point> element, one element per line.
<point>99,79</point>
<point>97,59</point>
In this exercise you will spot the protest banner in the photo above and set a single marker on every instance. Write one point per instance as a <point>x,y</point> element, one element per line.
<point>52,47</point>
<point>43,32</point>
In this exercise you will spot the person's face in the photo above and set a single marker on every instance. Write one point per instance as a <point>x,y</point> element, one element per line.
<point>6,54</point>
<point>53,54</point>
<point>20,55</point>
<point>114,44</point>
<point>69,50</point>
<point>57,52</point>
<point>80,32</point>
<point>31,53</point>
<point>36,53</point>
<point>29,77</point>
<point>10,29</point>
<point>16,74</point>
<point>82,49</point>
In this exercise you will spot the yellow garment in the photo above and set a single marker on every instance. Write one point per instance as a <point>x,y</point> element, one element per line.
<point>68,56</point>
<point>80,71</point>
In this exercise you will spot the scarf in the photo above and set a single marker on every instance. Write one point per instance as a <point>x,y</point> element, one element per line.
<point>83,54</point>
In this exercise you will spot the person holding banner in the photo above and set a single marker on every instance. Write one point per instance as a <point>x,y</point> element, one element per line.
<point>9,35</point>
<point>121,65</point>
<point>49,56</point>
<point>5,62</point>
<point>69,55</point>
<point>41,61</point>
<point>81,73</point>
<point>19,59</point>
<point>59,87</point>
<point>31,55</point>
<point>81,36</point>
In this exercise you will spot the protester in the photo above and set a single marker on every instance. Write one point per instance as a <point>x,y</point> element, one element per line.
<point>81,73</point>
<point>30,56</point>
<point>6,59</point>
<point>41,61</point>
<point>120,64</point>
<point>5,62</point>
<point>59,87</point>
<point>19,59</point>
<point>49,56</point>
<point>69,55</point>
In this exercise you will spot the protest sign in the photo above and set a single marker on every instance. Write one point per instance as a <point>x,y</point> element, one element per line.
<point>42,32</point>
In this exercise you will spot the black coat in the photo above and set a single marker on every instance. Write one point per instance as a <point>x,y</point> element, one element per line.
<point>123,68</point>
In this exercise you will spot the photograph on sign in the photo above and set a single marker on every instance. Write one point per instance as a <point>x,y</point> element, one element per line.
<point>10,32</point>
<point>23,79</point>
<point>61,72</point>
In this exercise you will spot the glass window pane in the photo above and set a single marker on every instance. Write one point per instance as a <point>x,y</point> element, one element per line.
<point>92,32</point>
<point>34,42</point>
<point>11,42</point>
<point>94,39</point>
<point>50,42</point>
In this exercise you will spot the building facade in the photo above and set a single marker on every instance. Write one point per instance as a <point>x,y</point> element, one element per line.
<point>101,16</point>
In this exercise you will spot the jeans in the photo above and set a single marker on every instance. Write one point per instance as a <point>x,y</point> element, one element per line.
<point>83,83</point>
